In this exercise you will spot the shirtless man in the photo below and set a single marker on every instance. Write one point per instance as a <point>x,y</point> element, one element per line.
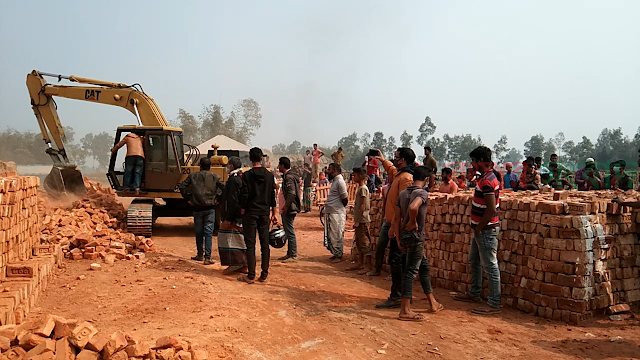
<point>133,162</point>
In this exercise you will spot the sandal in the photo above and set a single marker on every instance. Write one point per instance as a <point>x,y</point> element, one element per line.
<point>440,308</point>
<point>467,298</point>
<point>486,311</point>
<point>245,278</point>
<point>262,279</point>
<point>414,317</point>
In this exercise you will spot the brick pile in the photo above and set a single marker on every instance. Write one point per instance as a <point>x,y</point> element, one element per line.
<point>91,227</point>
<point>562,255</point>
<point>64,339</point>
<point>23,276</point>
<point>19,220</point>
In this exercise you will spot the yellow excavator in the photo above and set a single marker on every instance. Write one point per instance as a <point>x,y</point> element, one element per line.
<point>167,163</point>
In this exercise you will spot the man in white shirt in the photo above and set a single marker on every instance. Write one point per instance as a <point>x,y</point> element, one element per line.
<point>335,212</point>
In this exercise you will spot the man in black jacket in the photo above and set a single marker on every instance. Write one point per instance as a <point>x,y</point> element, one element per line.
<point>231,245</point>
<point>201,189</point>
<point>257,197</point>
<point>291,207</point>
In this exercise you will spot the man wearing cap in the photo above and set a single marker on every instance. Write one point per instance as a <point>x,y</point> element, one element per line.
<point>581,174</point>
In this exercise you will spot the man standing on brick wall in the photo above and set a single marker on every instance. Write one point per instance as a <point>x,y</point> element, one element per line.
<point>338,156</point>
<point>430,163</point>
<point>201,189</point>
<point>404,160</point>
<point>257,196</point>
<point>335,213</point>
<point>308,159</point>
<point>486,227</point>
<point>316,153</point>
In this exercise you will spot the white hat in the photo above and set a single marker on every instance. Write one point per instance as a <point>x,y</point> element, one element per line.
<point>590,160</point>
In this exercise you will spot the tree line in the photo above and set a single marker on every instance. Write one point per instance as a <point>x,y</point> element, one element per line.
<point>611,145</point>
<point>93,150</point>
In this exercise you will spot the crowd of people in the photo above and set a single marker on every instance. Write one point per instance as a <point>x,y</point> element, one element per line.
<point>251,201</point>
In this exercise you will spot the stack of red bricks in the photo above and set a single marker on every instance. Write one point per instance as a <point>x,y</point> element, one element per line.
<point>23,277</point>
<point>92,227</point>
<point>19,220</point>
<point>562,255</point>
<point>64,339</point>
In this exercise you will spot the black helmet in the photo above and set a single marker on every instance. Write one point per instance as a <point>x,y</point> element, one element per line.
<point>277,237</point>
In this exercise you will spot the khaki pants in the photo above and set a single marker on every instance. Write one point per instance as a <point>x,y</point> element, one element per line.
<point>363,241</point>
<point>315,171</point>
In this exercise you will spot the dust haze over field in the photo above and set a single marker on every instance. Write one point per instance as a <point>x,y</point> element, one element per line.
<point>323,70</point>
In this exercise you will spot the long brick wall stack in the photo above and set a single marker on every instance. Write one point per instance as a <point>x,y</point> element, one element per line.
<point>26,266</point>
<point>567,258</point>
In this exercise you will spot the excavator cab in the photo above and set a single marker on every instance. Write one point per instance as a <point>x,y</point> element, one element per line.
<point>164,159</point>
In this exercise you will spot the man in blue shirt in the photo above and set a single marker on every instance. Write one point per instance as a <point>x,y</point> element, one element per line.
<point>510,178</point>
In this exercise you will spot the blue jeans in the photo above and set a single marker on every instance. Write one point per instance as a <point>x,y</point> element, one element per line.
<point>292,244</point>
<point>204,223</point>
<point>372,187</point>
<point>483,254</point>
<point>133,168</point>
<point>415,263</point>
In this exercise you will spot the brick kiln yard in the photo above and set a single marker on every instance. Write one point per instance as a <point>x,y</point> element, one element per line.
<point>311,309</point>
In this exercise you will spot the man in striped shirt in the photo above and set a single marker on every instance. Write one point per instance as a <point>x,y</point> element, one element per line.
<point>486,226</point>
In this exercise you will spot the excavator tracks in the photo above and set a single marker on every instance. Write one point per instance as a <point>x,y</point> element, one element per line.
<point>140,217</point>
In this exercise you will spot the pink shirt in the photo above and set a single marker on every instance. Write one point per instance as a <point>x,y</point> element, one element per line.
<point>316,156</point>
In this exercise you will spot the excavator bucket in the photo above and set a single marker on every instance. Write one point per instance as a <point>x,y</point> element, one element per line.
<point>65,180</point>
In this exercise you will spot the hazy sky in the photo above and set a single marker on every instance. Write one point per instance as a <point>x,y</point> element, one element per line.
<point>323,69</point>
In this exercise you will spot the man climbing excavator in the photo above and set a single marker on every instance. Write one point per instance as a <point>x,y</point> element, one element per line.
<point>166,164</point>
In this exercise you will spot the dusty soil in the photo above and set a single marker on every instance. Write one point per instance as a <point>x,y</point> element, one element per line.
<point>311,309</point>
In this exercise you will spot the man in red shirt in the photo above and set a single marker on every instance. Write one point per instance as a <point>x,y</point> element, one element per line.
<point>372,168</point>
<point>486,227</point>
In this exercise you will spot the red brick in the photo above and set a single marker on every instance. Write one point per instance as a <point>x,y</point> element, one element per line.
<point>82,334</point>
<point>619,308</point>
<point>551,289</point>
<point>572,305</point>
<point>64,351</point>
<point>21,270</point>
<point>570,280</point>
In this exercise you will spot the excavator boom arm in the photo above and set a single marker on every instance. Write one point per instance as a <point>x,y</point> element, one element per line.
<point>102,92</point>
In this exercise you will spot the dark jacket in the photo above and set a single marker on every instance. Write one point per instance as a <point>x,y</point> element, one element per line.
<point>201,189</point>
<point>291,188</point>
<point>258,193</point>
<point>230,209</point>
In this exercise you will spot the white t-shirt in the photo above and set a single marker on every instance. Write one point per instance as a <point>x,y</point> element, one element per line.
<point>337,192</point>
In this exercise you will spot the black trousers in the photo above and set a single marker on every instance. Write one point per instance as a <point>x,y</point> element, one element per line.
<point>252,224</point>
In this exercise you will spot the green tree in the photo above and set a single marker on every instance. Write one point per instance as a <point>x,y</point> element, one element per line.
<point>426,130</point>
<point>279,149</point>
<point>513,155</point>
<point>378,141</point>
<point>438,150</point>
<point>406,139</point>
<point>365,140</point>
<point>212,121</point>
<point>613,145</point>
<point>98,148</point>
<point>294,148</point>
<point>576,154</point>
<point>459,146</point>
<point>558,141</point>
<point>391,147</point>
<point>247,120</point>
<point>353,153</point>
<point>501,149</point>
<point>190,127</point>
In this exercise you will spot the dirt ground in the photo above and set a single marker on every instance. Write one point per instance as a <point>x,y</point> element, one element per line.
<point>311,309</point>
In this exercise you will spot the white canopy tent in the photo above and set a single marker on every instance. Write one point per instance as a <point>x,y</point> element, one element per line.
<point>224,142</point>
